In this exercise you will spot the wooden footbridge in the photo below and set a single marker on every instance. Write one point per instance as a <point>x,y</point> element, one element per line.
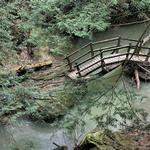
<point>94,57</point>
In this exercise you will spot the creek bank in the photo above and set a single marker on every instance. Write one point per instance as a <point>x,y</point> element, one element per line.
<point>106,139</point>
<point>30,96</point>
<point>100,139</point>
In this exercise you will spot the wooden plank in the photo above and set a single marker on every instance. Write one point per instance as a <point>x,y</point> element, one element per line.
<point>69,63</point>
<point>128,39</point>
<point>142,47</point>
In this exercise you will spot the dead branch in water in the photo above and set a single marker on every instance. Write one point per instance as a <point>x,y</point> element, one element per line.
<point>137,79</point>
<point>146,39</point>
<point>130,23</point>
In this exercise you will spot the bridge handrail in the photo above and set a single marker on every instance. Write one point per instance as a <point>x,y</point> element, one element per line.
<point>98,42</point>
<point>145,55</point>
<point>93,43</point>
<point>101,51</point>
<point>129,39</point>
<point>122,54</point>
<point>101,61</point>
<point>92,50</point>
<point>142,47</point>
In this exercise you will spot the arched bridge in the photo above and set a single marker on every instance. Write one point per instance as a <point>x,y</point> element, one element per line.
<point>95,57</point>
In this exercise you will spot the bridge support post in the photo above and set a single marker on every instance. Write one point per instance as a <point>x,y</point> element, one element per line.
<point>128,50</point>
<point>78,70</point>
<point>118,43</point>
<point>69,63</point>
<point>102,61</point>
<point>139,47</point>
<point>92,51</point>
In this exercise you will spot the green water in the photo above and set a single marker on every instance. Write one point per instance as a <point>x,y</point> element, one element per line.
<point>30,136</point>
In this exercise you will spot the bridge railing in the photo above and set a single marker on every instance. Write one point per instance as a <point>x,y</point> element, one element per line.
<point>143,49</point>
<point>74,57</point>
<point>103,58</point>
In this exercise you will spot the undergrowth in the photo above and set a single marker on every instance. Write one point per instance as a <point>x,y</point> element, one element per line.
<point>18,101</point>
<point>30,25</point>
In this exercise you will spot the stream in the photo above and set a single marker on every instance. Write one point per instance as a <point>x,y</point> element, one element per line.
<point>26,135</point>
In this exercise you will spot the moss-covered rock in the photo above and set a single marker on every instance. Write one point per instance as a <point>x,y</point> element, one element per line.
<point>106,140</point>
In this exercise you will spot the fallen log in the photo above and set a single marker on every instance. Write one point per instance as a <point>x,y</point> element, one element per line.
<point>33,67</point>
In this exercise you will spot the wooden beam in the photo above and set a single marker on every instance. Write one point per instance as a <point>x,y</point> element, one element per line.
<point>69,64</point>
<point>102,61</point>
<point>92,51</point>
<point>78,69</point>
<point>128,39</point>
<point>119,41</point>
<point>128,51</point>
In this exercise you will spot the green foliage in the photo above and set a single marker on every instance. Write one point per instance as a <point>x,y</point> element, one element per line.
<point>5,32</point>
<point>59,21</point>
<point>36,23</point>
<point>82,21</point>
<point>126,11</point>
<point>8,79</point>
<point>145,4</point>
<point>17,101</point>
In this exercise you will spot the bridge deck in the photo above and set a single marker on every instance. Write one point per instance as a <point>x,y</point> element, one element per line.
<point>110,61</point>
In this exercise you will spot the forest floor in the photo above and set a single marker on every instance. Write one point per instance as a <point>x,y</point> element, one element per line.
<point>45,77</point>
